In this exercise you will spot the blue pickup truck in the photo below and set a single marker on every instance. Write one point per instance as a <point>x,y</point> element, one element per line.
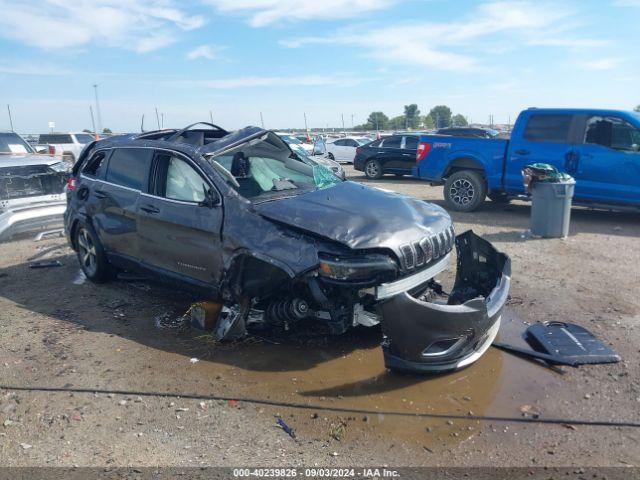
<point>599,148</point>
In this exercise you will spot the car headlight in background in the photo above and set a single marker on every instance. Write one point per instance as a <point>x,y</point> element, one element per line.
<point>363,269</point>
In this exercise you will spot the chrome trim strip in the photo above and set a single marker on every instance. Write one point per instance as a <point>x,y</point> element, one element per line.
<point>387,290</point>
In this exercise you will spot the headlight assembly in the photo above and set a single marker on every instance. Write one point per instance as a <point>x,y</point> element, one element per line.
<point>358,269</point>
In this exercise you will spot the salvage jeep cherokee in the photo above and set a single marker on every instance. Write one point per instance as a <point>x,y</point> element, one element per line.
<point>242,218</point>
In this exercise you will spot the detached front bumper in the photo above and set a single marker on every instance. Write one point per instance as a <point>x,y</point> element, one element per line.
<point>426,337</point>
<point>27,217</point>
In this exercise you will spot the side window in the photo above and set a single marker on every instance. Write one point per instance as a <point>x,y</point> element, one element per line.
<point>183,182</point>
<point>350,142</point>
<point>97,165</point>
<point>411,143</point>
<point>612,132</point>
<point>375,144</point>
<point>392,142</point>
<point>339,143</point>
<point>129,167</point>
<point>548,128</point>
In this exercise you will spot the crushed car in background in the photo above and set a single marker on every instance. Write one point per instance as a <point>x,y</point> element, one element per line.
<point>31,187</point>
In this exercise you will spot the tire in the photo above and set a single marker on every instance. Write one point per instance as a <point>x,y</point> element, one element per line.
<point>91,257</point>
<point>330,155</point>
<point>465,190</point>
<point>373,169</point>
<point>499,198</point>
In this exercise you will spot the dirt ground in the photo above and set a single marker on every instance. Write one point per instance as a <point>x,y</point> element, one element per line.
<point>127,336</point>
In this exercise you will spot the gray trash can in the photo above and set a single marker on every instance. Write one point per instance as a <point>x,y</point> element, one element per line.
<point>551,208</point>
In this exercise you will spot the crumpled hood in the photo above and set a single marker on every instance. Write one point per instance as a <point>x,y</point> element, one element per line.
<point>358,216</point>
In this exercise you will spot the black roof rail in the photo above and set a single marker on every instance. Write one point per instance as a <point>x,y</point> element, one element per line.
<point>178,133</point>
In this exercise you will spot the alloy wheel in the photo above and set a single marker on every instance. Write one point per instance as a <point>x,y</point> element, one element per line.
<point>462,191</point>
<point>371,169</point>
<point>87,252</point>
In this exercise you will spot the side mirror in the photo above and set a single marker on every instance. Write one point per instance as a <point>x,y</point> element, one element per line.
<point>210,197</point>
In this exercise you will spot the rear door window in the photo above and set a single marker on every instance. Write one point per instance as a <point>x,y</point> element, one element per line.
<point>339,143</point>
<point>129,167</point>
<point>548,128</point>
<point>392,142</point>
<point>97,165</point>
<point>411,143</point>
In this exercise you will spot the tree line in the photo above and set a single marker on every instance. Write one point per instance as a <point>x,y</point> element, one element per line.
<point>439,116</point>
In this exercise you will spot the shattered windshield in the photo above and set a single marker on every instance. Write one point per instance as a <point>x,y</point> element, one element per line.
<point>12,143</point>
<point>265,168</point>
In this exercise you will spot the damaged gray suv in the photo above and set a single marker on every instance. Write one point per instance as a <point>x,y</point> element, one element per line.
<point>242,219</point>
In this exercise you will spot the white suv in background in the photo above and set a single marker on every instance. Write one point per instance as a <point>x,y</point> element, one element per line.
<point>344,149</point>
<point>69,145</point>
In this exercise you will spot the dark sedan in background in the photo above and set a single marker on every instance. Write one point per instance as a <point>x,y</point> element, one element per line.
<point>395,154</point>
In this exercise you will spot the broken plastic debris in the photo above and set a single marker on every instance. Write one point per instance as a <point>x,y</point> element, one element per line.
<point>53,263</point>
<point>286,427</point>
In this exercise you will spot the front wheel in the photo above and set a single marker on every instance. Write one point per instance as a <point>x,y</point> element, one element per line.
<point>465,190</point>
<point>373,169</point>
<point>330,155</point>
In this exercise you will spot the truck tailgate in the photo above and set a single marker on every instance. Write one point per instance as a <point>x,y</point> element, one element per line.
<point>486,153</point>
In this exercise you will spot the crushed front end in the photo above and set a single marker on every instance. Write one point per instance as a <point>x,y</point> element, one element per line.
<point>426,330</point>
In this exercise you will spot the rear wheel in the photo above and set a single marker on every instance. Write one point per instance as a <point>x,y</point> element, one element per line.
<point>373,169</point>
<point>465,190</point>
<point>91,255</point>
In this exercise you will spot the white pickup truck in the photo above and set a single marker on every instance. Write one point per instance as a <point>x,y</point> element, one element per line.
<point>68,145</point>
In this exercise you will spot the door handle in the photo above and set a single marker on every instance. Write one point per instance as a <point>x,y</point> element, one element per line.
<point>522,152</point>
<point>100,194</point>
<point>149,209</point>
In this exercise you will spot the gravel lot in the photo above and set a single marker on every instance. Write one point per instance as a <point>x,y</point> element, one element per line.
<point>126,336</point>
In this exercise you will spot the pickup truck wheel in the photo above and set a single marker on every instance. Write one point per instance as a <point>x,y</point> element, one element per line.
<point>465,190</point>
<point>373,169</point>
<point>91,255</point>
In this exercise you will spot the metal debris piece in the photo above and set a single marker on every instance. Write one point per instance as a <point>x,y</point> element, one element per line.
<point>52,263</point>
<point>59,232</point>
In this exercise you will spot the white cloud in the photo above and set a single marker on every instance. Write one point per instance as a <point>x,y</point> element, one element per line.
<point>603,64</point>
<point>276,81</point>
<point>267,12</point>
<point>138,25</point>
<point>445,46</point>
<point>209,52</point>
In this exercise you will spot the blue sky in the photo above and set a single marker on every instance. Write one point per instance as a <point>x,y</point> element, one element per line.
<point>324,58</point>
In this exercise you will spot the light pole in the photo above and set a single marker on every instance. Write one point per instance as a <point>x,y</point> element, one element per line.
<point>10,119</point>
<point>95,88</point>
